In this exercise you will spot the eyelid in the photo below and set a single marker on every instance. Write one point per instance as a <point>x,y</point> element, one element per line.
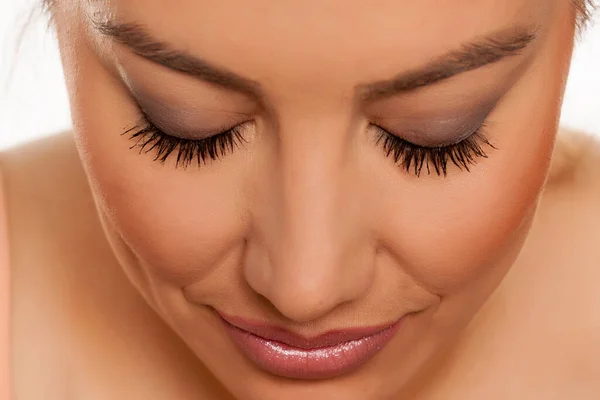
<point>189,134</point>
<point>432,132</point>
<point>185,119</point>
<point>175,128</point>
<point>432,138</point>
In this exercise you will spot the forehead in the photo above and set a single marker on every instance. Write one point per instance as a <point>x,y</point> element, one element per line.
<point>325,19</point>
<point>262,39</point>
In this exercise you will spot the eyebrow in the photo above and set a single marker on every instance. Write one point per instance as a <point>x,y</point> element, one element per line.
<point>470,56</point>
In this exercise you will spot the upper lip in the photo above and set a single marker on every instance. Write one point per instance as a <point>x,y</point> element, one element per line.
<point>278,334</point>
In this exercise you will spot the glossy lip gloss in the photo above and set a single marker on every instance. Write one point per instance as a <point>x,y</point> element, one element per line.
<point>286,354</point>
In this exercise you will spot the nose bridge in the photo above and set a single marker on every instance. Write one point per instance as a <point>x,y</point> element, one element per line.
<point>311,182</point>
<point>314,260</point>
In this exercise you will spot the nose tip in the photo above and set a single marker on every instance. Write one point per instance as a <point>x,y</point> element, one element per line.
<point>301,306</point>
<point>303,301</point>
<point>305,287</point>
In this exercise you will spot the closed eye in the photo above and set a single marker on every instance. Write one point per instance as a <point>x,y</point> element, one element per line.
<point>149,138</point>
<point>413,158</point>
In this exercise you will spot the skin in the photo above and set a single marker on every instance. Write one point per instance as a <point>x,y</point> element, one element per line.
<point>309,226</point>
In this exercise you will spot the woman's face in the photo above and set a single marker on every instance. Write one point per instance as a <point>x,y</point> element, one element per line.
<point>341,198</point>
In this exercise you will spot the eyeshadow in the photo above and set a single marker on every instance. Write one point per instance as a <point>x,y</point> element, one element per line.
<point>190,122</point>
<point>439,129</point>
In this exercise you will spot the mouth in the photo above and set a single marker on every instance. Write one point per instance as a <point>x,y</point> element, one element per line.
<point>290,355</point>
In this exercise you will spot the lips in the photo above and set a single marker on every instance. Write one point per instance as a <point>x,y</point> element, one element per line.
<point>288,354</point>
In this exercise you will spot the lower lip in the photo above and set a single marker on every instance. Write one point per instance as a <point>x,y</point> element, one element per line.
<point>319,363</point>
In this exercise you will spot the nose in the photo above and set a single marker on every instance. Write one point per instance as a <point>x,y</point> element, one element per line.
<point>311,250</point>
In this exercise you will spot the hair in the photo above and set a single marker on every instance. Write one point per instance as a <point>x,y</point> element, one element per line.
<point>584,10</point>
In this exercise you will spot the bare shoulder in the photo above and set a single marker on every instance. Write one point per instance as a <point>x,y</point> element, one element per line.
<point>41,176</point>
<point>48,211</point>
<point>47,196</point>
<point>562,278</point>
<point>568,221</point>
<point>575,162</point>
<point>571,199</point>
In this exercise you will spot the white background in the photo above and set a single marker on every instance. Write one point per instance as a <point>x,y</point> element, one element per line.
<point>33,99</point>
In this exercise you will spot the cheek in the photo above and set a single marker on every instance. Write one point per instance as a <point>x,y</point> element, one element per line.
<point>448,235</point>
<point>449,232</point>
<point>177,222</point>
<point>180,227</point>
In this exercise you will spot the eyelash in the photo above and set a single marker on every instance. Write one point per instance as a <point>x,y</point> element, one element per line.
<point>413,157</point>
<point>149,137</point>
<point>407,155</point>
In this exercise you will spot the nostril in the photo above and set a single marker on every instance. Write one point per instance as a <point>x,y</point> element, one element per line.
<point>302,302</point>
<point>304,283</point>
